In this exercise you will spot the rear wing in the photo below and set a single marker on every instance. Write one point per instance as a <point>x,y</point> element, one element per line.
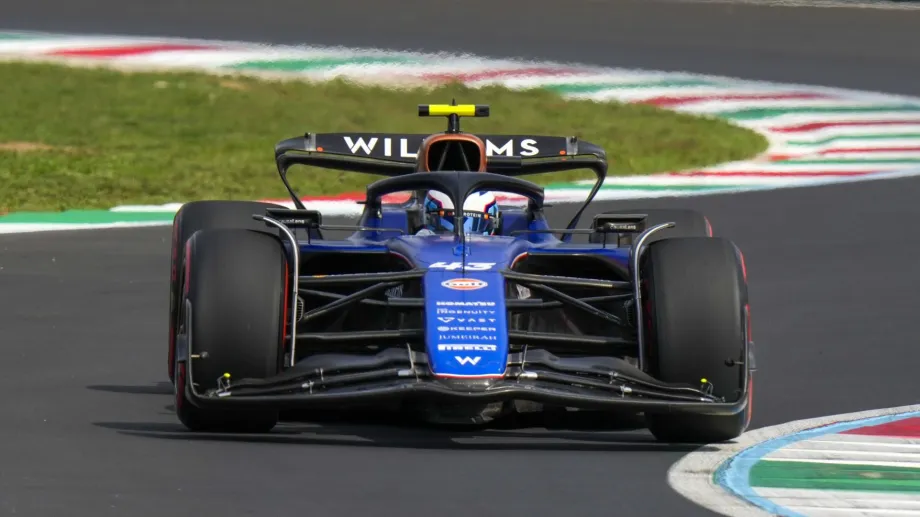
<point>395,154</point>
<point>404,147</point>
<point>392,154</point>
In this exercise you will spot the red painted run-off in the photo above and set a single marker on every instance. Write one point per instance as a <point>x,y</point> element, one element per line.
<point>844,150</point>
<point>815,126</point>
<point>677,100</point>
<point>396,197</point>
<point>131,50</point>
<point>499,74</point>
<point>907,428</point>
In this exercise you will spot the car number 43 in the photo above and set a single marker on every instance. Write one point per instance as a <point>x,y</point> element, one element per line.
<point>471,266</point>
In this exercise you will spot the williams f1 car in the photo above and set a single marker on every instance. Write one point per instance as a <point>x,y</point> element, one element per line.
<point>452,301</point>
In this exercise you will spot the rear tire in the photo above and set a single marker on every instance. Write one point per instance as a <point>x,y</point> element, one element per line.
<point>204,215</point>
<point>696,309</point>
<point>234,280</point>
<point>689,223</point>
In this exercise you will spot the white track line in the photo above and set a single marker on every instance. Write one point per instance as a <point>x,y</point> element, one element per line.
<point>826,4</point>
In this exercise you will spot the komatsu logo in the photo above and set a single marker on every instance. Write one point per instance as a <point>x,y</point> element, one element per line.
<point>466,304</point>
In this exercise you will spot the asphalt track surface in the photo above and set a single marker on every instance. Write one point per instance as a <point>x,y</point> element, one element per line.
<point>88,427</point>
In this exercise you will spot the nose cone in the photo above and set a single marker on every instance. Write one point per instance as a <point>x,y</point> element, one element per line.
<point>466,332</point>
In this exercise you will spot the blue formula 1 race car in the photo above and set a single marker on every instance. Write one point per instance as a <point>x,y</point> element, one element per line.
<point>459,315</point>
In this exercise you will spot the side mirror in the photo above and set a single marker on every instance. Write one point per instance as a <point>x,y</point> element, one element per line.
<point>624,226</point>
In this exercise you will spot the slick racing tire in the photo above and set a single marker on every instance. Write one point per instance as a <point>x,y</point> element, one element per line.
<point>688,223</point>
<point>234,305</point>
<point>697,318</point>
<point>204,215</point>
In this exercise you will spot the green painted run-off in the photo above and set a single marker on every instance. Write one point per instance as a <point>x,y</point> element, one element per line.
<point>7,36</point>
<point>85,217</point>
<point>857,138</point>
<point>320,63</point>
<point>569,88</point>
<point>828,476</point>
<point>761,113</point>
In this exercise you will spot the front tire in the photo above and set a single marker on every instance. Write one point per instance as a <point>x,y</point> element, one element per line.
<point>234,282</point>
<point>204,215</point>
<point>696,305</point>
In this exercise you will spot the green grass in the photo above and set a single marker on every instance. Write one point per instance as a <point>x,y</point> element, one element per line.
<point>73,137</point>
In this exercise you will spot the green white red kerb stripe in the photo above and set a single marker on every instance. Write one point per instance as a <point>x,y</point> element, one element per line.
<point>817,135</point>
<point>865,463</point>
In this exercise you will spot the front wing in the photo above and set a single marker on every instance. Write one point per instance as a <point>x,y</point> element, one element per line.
<point>533,375</point>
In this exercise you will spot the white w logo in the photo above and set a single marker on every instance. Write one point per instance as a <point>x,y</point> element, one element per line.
<point>360,145</point>
<point>467,360</point>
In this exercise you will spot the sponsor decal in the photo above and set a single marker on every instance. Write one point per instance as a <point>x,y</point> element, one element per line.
<point>467,329</point>
<point>466,337</point>
<point>464,284</point>
<point>467,360</point>
<point>355,145</point>
<point>467,348</point>
<point>470,312</point>
<point>443,319</point>
<point>471,266</point>
<point>527,147</point>
<point>388,145</point>
<point>466,304</point>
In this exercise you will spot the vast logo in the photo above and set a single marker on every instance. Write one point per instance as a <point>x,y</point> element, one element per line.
<point>464,284</point>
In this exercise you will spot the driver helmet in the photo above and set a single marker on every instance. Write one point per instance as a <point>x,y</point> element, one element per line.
<point>480,212</point>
